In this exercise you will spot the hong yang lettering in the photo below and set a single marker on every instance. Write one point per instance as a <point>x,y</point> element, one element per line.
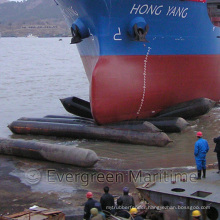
<point>146,9</point>
<point>177,12</point>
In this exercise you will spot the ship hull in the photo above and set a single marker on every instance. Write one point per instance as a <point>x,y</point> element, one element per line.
<point>179,61</point>
<point>128,87</point>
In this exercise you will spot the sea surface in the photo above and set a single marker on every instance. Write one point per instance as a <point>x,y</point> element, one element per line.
<point>36,72</point>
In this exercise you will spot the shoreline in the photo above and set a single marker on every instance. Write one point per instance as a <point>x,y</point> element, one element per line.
<point>20,191</point>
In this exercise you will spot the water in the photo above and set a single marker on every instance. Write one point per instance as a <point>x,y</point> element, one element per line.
<point>35,73</point>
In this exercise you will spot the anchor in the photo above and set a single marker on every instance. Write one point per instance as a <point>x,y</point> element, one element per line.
<point>138,29</point>
<point>79,31</point>
<point>76,37</point>
<point>140,33</point>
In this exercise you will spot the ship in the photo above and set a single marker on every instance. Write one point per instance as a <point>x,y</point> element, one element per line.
<point>143,56</point>
<point>31,36</point>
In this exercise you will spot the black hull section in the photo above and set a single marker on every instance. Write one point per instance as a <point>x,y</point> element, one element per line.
<point>187,110</point>
<point>77,106</point>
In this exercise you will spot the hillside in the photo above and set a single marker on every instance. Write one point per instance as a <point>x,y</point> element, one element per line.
<point>39,17</point>
<point>3,1</point>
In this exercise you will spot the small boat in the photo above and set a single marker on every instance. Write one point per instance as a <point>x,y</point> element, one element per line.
<point>31,36</point>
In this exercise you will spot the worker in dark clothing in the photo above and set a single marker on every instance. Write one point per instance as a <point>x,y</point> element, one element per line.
<point>196,215</point>
<point>217,150</point>
<point>120,212</point>
<point>89,205</point>
<point>95,215</point>
<point>98,206</point>
<point>200,151</point>
<point>168,213</point>
<point>134,214</point>
<point>107,202</point>
<point>128,201</point>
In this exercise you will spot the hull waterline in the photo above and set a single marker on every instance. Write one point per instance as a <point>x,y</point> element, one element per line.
<point>177,61</point>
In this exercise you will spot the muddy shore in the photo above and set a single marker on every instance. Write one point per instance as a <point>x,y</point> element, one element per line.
<point>25,183</point>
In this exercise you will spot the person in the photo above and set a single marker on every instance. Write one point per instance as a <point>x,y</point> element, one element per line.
<point>168,212</point>
<point>88,205</point>
<point>120,212</point>
<point>128,201</point>
<point>107,202</point>
<point>98,206</point>
<point>196,214</point>
<point>200,151</point>
<point>217,150</point>
<point>134,214</point>
<point>95,215</point>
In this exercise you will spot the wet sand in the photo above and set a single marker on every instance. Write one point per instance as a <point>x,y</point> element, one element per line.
<point>21,187</point>
<point>25,182</point>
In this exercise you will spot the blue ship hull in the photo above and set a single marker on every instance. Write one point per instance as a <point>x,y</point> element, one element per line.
<point>174,57</point>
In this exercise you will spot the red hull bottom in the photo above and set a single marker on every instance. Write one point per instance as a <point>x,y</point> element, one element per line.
<point>135,87</point>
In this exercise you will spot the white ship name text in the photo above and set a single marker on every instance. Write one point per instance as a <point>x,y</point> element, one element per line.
<point>158,9</point>
<point>177,11</point>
